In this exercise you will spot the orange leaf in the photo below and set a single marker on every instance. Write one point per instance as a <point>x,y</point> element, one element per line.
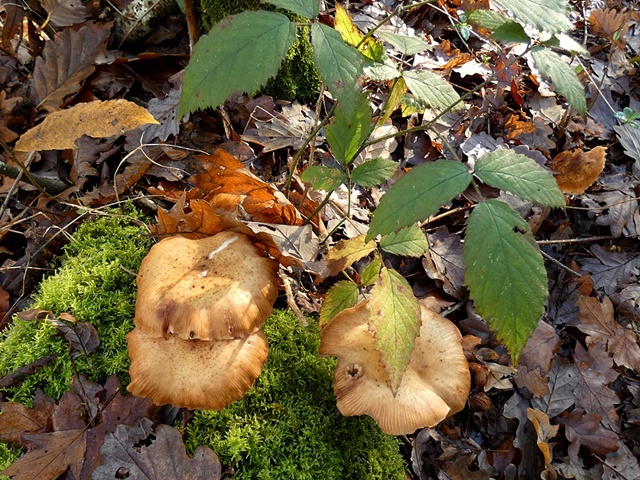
<point>516,127</point>
<point>576,170</point>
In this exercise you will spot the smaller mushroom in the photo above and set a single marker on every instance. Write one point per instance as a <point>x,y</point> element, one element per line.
<point>201,374</point>
<point>434,386</point>
<point>213,288</point>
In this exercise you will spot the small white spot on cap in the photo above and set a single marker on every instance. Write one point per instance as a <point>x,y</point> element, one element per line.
<point>203,273</point>
<point>224,245</point>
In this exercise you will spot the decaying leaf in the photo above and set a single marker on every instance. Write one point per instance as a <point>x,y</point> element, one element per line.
<point>65,63</point>
<point>535,362</point>
<point>611,270</point>
<point>344,253</point>
<point>17,419</point>
<point>545,432</point>
<point>563,379</point>
<point>597,320</point>
<point>166,457</point>
<point>443,261</point>
<point>577,170</point>
<point>584,429</point>
<point>64,13</point>
<point>61,129</point>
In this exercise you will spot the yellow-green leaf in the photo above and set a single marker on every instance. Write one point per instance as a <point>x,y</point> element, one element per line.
<point>341,296</point>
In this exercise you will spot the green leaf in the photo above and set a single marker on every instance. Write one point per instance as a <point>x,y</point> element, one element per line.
<point>418,195</point>
<point>549,15</point>
<point>323,178</point>
<point>338,64</point>
<point>343,295</point>
<point>410,105</point>
<point>371,272</point>
<point>373,172</point>
<point>239,54</point>
<point>430,89</point>
<point>395,322</point>
<point>505,273</point>
<point>521,176</point>
<point>487,19</point>
<point>553,67</point>
<point>511,32</point>
<point>306,8</point>
<point>350,127</point>
<point>406,45</point>
<point>410,242</point>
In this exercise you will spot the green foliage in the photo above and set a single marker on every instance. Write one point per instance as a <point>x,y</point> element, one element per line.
<point>395,321</point>
<point>418,194</point>
<point>342,295</point>
<point>409,241</point>
<point>564,79</point>
<point>220,58</point>
<point>405,44</point>
<point>323,178</point>
<point>287,425</point>
<point>430,90</point>
<point>305,8</point>
<point>93,283</point>
<point>373,172</point>
<point>519,175</point>
<point>350,127</point>
<point>549,16</point>
<point>505,273</point>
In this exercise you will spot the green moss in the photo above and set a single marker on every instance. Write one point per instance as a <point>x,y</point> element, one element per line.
<point>287,426</point>
<point>297,78</point>
<point>95,284</point>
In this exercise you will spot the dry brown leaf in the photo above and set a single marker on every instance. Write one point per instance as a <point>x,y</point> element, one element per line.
<point>60,130</point>
<point>64,13</point>
<point>343,254</point>
<point>516,127</point>
<point>544,431</point>
<point>577,170</point>
<point>597,320</point>
<point>66,61</point>
<point>608,22</point>
<point>585,430</point>
<point>535,362</point>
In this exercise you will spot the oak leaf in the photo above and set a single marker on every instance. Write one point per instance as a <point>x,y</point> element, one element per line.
<point>534,364</point>
<point>584,429</point>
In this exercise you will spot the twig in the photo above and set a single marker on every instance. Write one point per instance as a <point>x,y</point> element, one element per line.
<point>575,240</point>
<point>559,264</point>
<point>192,23</point>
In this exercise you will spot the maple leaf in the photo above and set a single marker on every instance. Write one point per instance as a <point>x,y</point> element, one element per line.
<point>165,458</point>
<point>597,320</point>
<point>66,61</point>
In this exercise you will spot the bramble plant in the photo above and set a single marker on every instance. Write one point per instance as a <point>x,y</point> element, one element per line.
<point>505,272</point>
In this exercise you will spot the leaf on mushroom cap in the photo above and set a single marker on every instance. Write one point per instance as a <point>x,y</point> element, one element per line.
<point>218,287</point>
<point>207,375</point>
<point>435,385</point>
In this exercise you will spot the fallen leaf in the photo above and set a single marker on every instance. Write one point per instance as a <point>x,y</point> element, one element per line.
<point>598,322</point>
<point>563,379</point>
<point>534,364</point>
<point>64,13</point>
<point>344,253</point>
<point>165,458</point>
<point>544,431</point>
<point>615,209</point>
<point>66,61</point>
<point>576,170</point>
<point>17,419</point>
<point>585,430</point>
<point>61,129</point>
<point>611,270</point>
<point>609,22</point>
<point>443,261</point>
<point>515,127</point>
<point>621,464</point>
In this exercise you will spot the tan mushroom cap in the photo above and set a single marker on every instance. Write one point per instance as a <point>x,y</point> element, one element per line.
<point>218,287</point>
<point>435,385</point>
<point>195,374</point>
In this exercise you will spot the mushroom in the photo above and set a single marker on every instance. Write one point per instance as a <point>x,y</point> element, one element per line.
<point>434,386</point>
<point>197,341</point>
<point>202,374</point>
<point>217,287</point>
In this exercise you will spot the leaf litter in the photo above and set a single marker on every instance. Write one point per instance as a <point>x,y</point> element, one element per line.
<point>575,392</point>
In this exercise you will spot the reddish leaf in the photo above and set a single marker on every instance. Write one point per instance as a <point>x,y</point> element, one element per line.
<point>17,419</point>
<point>64,13</point>
<point>66,61</point>
<point>585,430</point>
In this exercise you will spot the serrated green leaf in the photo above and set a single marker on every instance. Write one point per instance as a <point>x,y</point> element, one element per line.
<point>381,71</point>
<point>410,105</point>
<point>338,64</point>
<point>410,242</point>
<point>220,61</point>
<point>306,8</point>
<point>511,32</point>
<point>487,19</point>
<point>343,295</point>
<point>550,15</point>
<point>552,67</point>
<point>373,172</point>
<point>343,24</point>
<point>406,45</point>
<point>345,252</point>
<point>521,176</point>
<point>505,273</point>
<point>430,89</point>
<point>395,322</point>
<point>371,272</point>
<point>418,195</point>
<point>323,178</point>
<point>350,127</point>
